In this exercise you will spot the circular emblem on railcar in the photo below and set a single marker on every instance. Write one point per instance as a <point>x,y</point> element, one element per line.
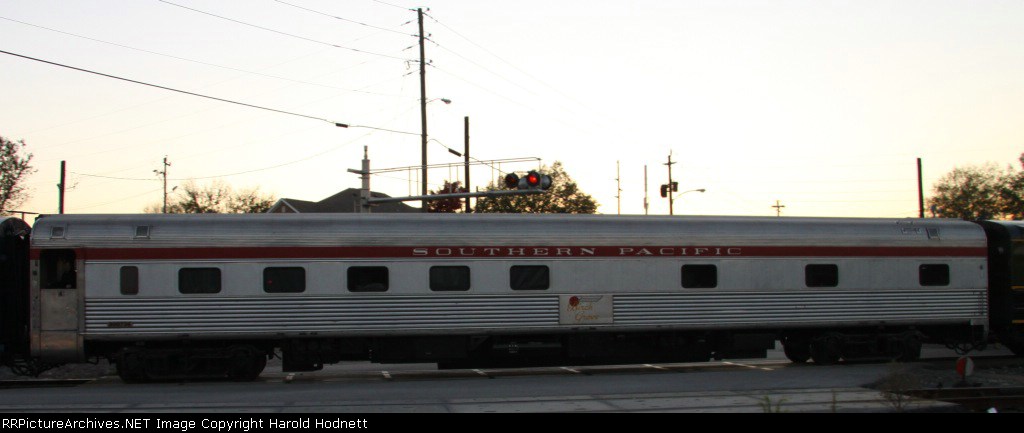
<point>574,301</point>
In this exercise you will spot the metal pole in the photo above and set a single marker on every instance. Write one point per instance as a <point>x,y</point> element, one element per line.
<point>364,192</point>
<point>164,172</point>
<point>645,189</point>
<point>466,154</point>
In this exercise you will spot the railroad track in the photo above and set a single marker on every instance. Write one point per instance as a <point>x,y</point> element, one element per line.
<point>982,399</point>
<point>42,383</point>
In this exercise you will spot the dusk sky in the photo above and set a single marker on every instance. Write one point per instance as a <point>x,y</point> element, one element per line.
<point>822,105</point>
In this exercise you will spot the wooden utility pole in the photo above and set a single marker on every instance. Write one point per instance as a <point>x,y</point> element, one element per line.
<point>670,184</point>
<point>163,172</point>
<point>920,190</point>
<point>778,208</point>
<point>618,189</point>
<point>423,112</point>
<point>466,154</point>
<point>60,187</point>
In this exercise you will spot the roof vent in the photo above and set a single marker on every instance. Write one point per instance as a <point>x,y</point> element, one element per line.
<point>57,232</point>
<point>141,232</point>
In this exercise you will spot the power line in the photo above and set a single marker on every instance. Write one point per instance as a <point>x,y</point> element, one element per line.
<point>119,200</point>
<point>395,6</point>
<point>283,33</point>
<point>140,144</point>
<point>193,60</point>
<point>483,67</point>
<point>471,157</point>
<point>339,124</point>
<point>108,174</point>
<point>344,19</point>
<point>503,60</point>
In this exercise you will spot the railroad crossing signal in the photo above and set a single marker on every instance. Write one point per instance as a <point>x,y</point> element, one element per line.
<point>532,180</point>
<point>665,188</point>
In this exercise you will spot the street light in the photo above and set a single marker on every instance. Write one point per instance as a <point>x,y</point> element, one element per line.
<point>692,190</point>
<point>701,190</point>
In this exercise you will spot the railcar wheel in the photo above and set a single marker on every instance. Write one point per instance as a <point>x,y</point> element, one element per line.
<point>825,350</point>
<point>1013,339</point>
<point>797,351</point>
<point>246,363</point>
<point>130,368</point>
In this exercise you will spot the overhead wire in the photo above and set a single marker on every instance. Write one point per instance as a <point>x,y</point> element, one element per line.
<point>502,59</point>
<point>107,176</point>
<point>282,32</point>
<point>193,60</point>
<point>339,124</point>
<point>118,200</point>
<point>471,157</point>
<point>344,19</point>
<point>393,5</point>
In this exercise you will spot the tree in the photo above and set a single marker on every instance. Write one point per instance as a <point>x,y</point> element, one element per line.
<point>217,197</point>
<point>1011,192</point>
<point>980,192</point>
<point>563,197</point>
<point>446,205</point>
<point>13,171</point>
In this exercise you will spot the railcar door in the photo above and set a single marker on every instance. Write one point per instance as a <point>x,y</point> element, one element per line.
<point>56,283</point>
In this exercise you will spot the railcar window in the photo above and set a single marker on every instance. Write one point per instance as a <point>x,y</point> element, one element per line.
<point>284,280</point>
<point>449,278</point>
<point>368,279</point>
<point>129,280</point>
<point>199,280</point>
<point>57,269</point>
<point>821,275</point>
<point>933,275</point>
<point>529,277</point>
<point>700,276</point>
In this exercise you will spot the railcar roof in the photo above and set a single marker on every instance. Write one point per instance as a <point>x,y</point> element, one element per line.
<point>215,230</point>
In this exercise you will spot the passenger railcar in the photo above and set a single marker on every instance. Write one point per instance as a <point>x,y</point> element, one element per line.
<point>167,296</point>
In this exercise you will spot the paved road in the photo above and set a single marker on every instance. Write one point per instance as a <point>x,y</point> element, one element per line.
<point>732,386</point>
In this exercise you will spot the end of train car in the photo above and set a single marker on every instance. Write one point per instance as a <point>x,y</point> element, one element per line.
<point>1006,282</point>
<point>14,296</point>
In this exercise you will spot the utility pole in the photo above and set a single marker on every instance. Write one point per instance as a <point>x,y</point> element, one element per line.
<point>423,111</point>
<point>618,187</point>
<point>920,190</point>
<point>466,154</point>
<point>645,189</point>
<point>778,208</point>
<point>671,185</point>
<point>163,173</point>
<point>60,187</point>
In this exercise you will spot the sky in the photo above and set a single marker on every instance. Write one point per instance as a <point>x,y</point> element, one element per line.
<point>821,105</point>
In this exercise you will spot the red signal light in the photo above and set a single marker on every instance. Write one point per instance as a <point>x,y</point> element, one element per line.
<point>511,181</point>
<point>533,179</point>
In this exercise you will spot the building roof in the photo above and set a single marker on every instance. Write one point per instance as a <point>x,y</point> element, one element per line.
<point>346,201</point>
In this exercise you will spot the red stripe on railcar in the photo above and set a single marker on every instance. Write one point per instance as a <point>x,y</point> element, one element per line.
<point>515,252</point>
